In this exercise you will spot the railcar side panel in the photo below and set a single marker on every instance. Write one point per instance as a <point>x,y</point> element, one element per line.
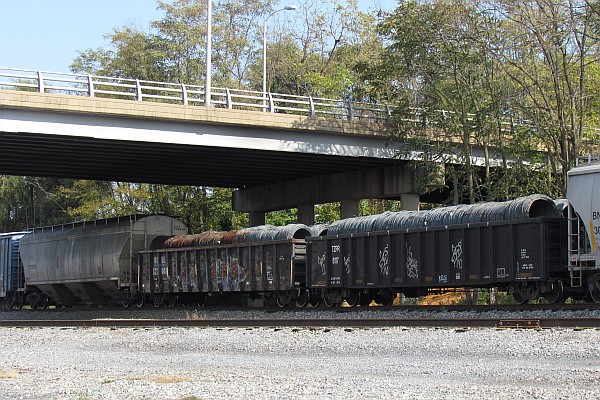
<point>244,267</point>
<point>476,255</point>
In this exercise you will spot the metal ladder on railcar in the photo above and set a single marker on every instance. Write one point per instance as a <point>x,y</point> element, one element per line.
<point>577,247</point>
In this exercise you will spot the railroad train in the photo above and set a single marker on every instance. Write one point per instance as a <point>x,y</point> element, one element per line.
<point>530,247</point>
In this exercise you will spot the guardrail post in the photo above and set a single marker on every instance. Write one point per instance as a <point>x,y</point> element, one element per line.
<point>350,110</point>
<point>184,97</point>
<point>271,103</point>
<point>40,82</point>
<point>228,99</point>
<point>311,106</point>
<point>138,90</point>
<point>388,114</point>
<point>90,86</point>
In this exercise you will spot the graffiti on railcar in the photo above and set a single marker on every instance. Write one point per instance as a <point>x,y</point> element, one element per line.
<point>384,260</point>
<point>412,265</point>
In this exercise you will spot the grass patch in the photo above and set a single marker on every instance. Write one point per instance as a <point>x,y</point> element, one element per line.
<point>9,374</point>
<point>171,379</point>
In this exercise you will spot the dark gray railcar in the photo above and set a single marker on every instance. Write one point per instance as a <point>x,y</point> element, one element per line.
<point>191,274</point>
<point>11,271</point>
<point>525,255</point>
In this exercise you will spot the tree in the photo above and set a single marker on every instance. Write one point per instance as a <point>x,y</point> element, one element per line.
<point>548,49</point>
<point>318,57</point>
<point>511,77</point>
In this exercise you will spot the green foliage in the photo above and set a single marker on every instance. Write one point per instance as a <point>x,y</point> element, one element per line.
<point>281,217</point>
<point>327,213</point>
<point>514,77</point>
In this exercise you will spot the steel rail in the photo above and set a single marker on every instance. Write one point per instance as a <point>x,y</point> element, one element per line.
<point>402,308</point>
<point>536,323</point>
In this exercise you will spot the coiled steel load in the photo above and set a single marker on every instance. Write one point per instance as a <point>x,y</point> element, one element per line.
<point>563,206</point>
<point>248,235</point>
<point>319,229</point>
<point>536,205</point>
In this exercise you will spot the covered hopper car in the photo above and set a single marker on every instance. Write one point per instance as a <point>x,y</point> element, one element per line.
<point>527,246</point>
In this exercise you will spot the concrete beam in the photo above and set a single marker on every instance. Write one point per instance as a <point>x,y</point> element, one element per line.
<point>379,183</point>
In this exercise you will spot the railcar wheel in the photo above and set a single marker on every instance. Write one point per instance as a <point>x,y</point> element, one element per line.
<point>42,302</point>
<point>331,298</point>
<point>518,297</point>
<point>139,300</point>
<point>314,301</point>
<point>157,300</point>
<point>126,298</point>
<point>594,287</point>
<point>283,298</point>
<point>201,300</point>
<point>170,300</point>
<point>303,298</point>
<point>556,294</point>
<point>365,300</point>
<point>353,298</point>
<point>387,297</point>
<point>32,299</point>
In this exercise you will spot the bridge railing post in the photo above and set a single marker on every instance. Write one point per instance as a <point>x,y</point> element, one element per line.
<point>184,96</point>
<point>228,102</point>
<point>311,106</point>
<point>388,114</point>
<point>90,85</point>
<point>40,81</point>
<point>138,90</point>
<point>350,110</point>
<point>271,103</point>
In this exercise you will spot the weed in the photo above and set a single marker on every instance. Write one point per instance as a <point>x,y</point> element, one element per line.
<point>171,379</point>
<point>8,374</point>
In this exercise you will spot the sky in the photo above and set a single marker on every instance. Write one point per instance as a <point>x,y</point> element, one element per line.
<point>47,34</point>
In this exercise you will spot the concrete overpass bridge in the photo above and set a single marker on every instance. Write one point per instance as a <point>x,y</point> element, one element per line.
<point>279,151</point>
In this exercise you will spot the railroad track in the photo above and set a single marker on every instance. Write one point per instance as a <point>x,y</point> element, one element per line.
<point>432,308</point>
<point>316,323</point>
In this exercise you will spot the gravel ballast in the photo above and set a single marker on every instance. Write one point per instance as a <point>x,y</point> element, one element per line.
<point>298,363</point>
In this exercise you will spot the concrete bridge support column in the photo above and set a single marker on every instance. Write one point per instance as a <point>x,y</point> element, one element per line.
<point>349,209</point>
<point>256,218</point>
<point>409,202</point>
<point>306,214</point>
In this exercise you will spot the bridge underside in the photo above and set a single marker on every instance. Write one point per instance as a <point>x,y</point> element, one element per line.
<point>174,164</point>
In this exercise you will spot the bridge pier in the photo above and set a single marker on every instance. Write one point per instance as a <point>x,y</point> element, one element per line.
<point>409,201</point>
<point>392,182</point>
<point>306,214</point>
<point>256,218</point>
<point>348,209</point>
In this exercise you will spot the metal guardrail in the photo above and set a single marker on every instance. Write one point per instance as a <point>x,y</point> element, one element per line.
<point>181,93</point>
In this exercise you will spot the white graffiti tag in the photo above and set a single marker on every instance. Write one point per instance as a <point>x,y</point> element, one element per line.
<point>384,260</point>
<point>347,264</point>
<point>321,260</point>
<point>457,255</point>
<point>412,265</point>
